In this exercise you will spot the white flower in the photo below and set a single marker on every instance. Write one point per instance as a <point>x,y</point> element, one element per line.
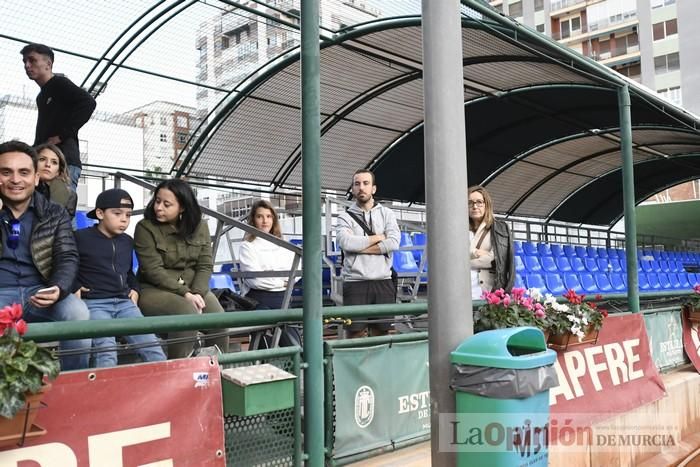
<point>574,319</point>
<point>535,294</point>
<point>560,307</point>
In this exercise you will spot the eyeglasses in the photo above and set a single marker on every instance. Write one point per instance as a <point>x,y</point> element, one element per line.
<point>478,203</point>
<point>13,235</point>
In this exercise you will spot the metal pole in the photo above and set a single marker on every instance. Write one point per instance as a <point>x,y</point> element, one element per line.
<point>624,103</point>
<point>449,307</point>
<point>311,182</point>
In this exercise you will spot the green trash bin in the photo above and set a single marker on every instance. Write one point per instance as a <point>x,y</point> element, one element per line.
<point>501,380</point>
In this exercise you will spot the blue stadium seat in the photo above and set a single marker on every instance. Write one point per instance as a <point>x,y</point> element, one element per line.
<point>554,283</point>
<point>643,281</point>
<point>532,263</point>
<point>693,279</point>
<point>536,281</point>
<point>405,239</point>
<point>577,264</point>
<point>677,266</point>
<point>569,250</point>
<point>82,221</point>
<point>663,266</point>
<point>543,249</point>
<point>556,249</point>
<point>571,281</point>
<point>227,267</point>
<point>623,263</point>
<point>519,264</point>
<point>616,266</point>
<point>603,282</point>
<point>548,264</point>
<point>664,281</point>
<point>297,241</point>
<point>419,239</point>
<point>653,279</point>
<point>404,262</point>
<point>221,281</point>
<point>604,265</point>
<point>519,281</point>
<point>675,281</point>
<point>602,252</point>
<point>529,248</point>
<point>648,266</point>
<point>588,282</point>
<point>563,263</point>
<point>591,265</point>
<point>592,252</point>
<point>684,280</point>
<point>518,247</point>
<point>613,253</point>
<point>617,283</point>
<point>581,251</point>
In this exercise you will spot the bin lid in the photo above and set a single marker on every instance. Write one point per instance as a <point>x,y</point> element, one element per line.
<point>517,348</point>
<point>255,374</point>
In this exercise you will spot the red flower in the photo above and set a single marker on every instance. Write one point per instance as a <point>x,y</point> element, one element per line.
<point>21,326</point>
<point>592,305</point>
<point>599,297</point>
<point>604,313</point>
<point>5,317</point>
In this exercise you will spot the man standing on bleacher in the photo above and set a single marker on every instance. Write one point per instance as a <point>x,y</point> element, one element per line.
<point>38,256</point>
<point>368,233</point>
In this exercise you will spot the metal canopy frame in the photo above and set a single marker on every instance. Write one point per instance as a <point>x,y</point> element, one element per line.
<point>516,85</point>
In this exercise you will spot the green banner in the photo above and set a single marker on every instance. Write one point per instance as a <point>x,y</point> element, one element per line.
<point>665,338</point>
<point>381,396</point>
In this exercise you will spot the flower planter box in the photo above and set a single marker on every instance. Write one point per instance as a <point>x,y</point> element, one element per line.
<point>13,431</point>
<point>563,341</point>
<point>256,389</point>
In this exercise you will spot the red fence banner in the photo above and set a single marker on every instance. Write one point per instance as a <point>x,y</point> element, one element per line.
<point>156,414</point>
<point>612,376</point>
<point>691,339</point>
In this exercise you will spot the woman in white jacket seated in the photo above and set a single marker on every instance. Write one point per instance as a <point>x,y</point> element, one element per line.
<point>257,255</point>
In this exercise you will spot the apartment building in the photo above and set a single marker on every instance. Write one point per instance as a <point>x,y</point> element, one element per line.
<point>653,42</point>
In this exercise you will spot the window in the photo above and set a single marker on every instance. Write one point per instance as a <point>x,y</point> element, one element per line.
<point>163,138</point>
<point>667,63</point>
<point>665,29</point>
<point>515,9</point>
<point>570,26</point>
<point>672,94</point>
<point>181,121</point>
<point>163,120</point>
<point>540,28</point>
<point>224,42</point>
<point>182,138</point>
<point>660,3</point>
<point>539,5</point>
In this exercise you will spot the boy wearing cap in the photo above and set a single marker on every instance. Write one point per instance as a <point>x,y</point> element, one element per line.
<point>105,277</point>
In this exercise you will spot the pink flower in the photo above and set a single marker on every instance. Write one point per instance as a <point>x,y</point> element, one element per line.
<point>21,326</point>
<point>697,288</point>
<point>517,293</point>
<point>493,299</point>
<point>527,303</point>
<point>5,317</point>
<point>15,311</point>
<point>506,300</point>
<point>500,293</point>
<point>539,312</point>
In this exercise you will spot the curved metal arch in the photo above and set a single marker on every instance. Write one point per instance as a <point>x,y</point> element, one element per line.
<point>142,40</point>
<point>293,56</point>
<point>610,172</point>
<point>116,40</point>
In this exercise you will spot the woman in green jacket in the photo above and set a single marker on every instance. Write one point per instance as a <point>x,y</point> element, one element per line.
<point>54,182</point>
<point>175,262</point>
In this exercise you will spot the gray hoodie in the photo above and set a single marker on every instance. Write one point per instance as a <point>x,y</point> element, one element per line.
<point>352,239</point>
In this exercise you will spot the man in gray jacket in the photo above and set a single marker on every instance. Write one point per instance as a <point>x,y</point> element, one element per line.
<point>367,251</point>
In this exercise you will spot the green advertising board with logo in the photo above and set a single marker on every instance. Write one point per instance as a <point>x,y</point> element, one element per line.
<point>665,338</point>
<point>381,396</point>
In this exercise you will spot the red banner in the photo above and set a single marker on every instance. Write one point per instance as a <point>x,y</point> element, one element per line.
<point>157,414</point>
<point>691,339</point>
<point>614,375</point>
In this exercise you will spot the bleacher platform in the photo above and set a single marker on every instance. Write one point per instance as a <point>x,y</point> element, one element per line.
<point>554,268</point>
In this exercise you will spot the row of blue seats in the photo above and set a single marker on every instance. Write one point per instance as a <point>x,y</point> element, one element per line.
<point>604,283</point>
<point>554,249</point>
<point>529,263</point>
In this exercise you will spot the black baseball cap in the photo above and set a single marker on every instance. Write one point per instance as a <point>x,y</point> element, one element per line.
<point>111,199</point>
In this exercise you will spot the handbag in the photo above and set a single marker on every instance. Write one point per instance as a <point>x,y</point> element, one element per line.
<point>370,232</point>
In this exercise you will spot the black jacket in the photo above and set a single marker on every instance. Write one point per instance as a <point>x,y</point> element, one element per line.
<point>502,245</point>
<point>63,109</point>
<point>105,264</point>
<point>53,246</point>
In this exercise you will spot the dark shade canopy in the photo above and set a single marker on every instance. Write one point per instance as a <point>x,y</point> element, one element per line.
<point>542,123</point>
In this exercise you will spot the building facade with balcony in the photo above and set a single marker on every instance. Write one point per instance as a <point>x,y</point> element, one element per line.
<point>653,42</point>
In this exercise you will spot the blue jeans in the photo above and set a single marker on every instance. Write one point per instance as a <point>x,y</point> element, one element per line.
<point>115,308</point>
<point>74,174</point>
<point>70,308</point>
